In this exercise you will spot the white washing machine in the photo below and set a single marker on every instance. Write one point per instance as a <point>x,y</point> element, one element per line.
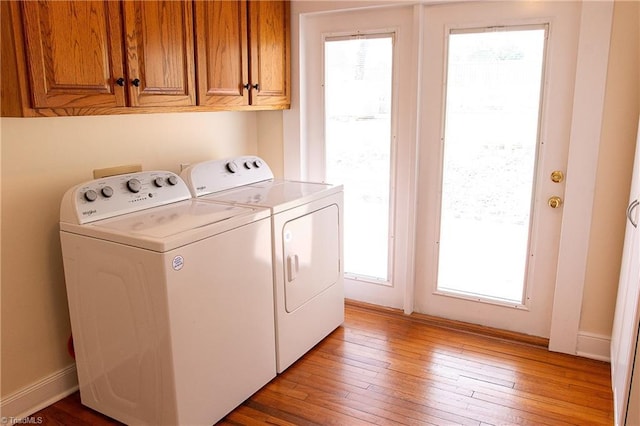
<point>307,245</point>
<point>170,298</point>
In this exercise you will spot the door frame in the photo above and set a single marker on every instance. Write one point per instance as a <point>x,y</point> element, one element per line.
<point>584,145</point>
<point>592,60</point>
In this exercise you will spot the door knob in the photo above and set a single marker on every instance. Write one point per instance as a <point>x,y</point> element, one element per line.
<point>557,176</point>
<point>554,202</point>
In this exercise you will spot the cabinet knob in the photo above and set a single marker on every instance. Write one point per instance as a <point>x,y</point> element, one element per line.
<point>120,82</point>
<point>256,86</point>
<point>246,86</point>
<point>136,82</point>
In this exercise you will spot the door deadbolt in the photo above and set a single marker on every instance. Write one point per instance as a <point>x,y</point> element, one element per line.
<point>557,176</point>
<point>555,202</point>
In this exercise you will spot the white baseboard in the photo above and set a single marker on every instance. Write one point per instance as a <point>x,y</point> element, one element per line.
<point>41,394</point>
<point>594,346</point>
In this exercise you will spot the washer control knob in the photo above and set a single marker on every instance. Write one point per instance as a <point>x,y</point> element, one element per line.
<point>159,182</point>
<point>90,195</point>
<point>134,185</point>
<point>248,165</point>
<point>257,163</point>
<point>107,191</point>
<point>172,180</point>
<point>232,167</point>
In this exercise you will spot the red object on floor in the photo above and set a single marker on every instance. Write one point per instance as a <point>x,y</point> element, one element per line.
<point>72,352</point>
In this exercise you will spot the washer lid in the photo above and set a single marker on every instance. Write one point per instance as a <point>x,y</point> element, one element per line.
<point>278,195</point>
<point>168,227</point>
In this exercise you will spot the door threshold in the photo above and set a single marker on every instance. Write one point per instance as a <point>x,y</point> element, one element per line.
<point>454,325</point>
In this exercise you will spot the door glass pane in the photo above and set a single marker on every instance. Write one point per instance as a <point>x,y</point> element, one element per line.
<point>491,131</point>
<point>358,74</point>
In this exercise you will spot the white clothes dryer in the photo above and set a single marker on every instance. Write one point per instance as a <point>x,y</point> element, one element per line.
<point>170,299</point>
<point>307,220</point>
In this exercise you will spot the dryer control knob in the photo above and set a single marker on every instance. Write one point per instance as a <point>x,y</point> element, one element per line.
<point>232,167</point>
<point>248,165</point>
<point>172,180</point>
<point>107,191</point>
<point>257,163</point>
<point>90,195</point>
<point>159,182</point>
<point>134,185</point>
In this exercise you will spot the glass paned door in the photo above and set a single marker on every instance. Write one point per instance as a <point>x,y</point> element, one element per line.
<point>358,85</point>
<point>493,93</point>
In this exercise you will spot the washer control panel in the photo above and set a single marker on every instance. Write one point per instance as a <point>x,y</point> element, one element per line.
<point>217,175</point>
<point>117,195</point>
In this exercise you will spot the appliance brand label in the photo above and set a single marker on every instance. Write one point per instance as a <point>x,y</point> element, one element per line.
<point>177,263</point>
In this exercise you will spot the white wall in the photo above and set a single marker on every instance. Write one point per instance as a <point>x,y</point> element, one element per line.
<point>619,127</point>
<point>269,133</point>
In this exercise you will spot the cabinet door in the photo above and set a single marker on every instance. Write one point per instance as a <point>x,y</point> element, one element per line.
<point>269,29</point>
<point>74,53</point>
<point>221,51</point>
<point>626,322</point>
<point>160,54</point>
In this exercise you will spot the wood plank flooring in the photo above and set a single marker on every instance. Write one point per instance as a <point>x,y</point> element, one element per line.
<point>382,368</point>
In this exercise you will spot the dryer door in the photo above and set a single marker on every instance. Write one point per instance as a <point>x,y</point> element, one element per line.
<point>311,255</point>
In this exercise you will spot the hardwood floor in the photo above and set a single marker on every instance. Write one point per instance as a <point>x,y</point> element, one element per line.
<point>385,368</point>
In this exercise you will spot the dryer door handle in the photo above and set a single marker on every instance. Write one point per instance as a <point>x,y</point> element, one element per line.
<point>293,267</point>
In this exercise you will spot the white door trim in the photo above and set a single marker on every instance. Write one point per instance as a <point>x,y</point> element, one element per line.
<point>412,215</point>
<point>584,147</point>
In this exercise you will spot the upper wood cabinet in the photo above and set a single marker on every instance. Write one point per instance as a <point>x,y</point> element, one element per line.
<point>75,53</point>
<point>270,52</point>
<point>243,53</point>
<point>113,57</point>
<point>159,48</point>
<point>222,49</point>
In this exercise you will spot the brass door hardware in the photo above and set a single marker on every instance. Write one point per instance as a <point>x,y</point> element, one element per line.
<point>554,202</point>
<point>557,176</point>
